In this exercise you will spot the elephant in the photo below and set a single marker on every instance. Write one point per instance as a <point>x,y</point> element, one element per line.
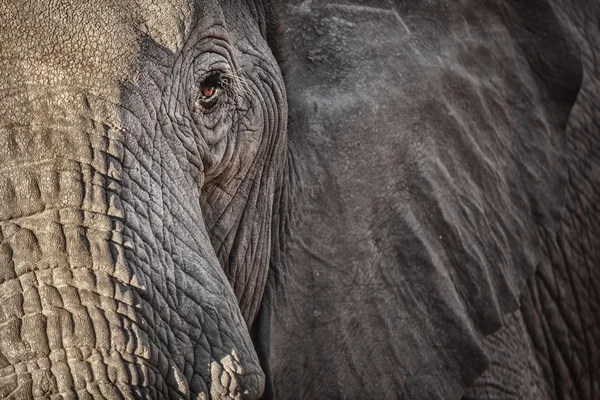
<point>299,199</point>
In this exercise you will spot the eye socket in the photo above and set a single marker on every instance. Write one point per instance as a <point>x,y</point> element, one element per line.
<point>211,89</point>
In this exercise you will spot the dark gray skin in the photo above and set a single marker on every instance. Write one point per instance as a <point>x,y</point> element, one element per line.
<point>438,154</point>
<point>428,229</point>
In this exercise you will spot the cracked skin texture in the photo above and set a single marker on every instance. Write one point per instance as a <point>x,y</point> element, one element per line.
<point>114,188</point>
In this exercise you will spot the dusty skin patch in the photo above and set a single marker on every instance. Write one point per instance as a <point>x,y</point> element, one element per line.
<point>224,377</point>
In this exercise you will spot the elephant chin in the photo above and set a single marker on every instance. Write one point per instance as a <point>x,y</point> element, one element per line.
<point>103,291</point>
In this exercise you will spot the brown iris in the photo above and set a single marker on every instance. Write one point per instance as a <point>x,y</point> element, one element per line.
<point>208,91</point>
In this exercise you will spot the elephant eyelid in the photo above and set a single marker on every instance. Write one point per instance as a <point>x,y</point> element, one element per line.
<point>212,79</point>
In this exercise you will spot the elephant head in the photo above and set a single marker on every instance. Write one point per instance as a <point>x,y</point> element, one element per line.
<point>139,145</point>
<point>163,234</point>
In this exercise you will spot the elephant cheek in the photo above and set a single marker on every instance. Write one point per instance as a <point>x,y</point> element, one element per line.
<point>238,202</point>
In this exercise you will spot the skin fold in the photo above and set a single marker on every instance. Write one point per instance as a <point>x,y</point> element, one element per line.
<point>420,224</point>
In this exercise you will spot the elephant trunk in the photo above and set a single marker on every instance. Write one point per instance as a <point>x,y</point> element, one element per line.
<point>108,282</point>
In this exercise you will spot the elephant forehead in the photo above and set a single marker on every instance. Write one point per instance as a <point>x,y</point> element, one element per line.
<point>167,22</point>
<point>85,43</point>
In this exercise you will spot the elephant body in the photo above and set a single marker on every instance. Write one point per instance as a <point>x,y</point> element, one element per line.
<point>249,199</point>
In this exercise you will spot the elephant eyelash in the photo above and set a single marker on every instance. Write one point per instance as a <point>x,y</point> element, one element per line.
<point>235,84</point>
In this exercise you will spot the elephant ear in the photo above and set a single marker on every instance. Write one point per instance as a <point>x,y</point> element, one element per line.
<point>427,142</point>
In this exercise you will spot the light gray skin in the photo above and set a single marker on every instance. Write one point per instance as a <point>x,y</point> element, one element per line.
<point>438,154</point>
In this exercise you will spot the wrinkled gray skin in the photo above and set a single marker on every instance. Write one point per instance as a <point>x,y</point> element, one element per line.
<point>439,152</point>
<point>120,193</point>
<point>428,230</point>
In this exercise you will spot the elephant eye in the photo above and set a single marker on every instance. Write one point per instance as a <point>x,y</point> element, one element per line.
<point>211,89</point>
